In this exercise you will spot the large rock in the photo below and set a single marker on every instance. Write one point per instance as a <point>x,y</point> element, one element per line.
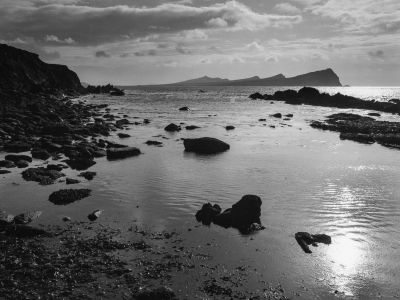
<point>80,163</point>
<point>243,215</point>
<point>117,153</point>
<point>41,175</point>
<point>67,196</point>
<point>172,128</point>
<point>205,145</point>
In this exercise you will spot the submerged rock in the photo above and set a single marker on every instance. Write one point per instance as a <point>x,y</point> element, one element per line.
<point>41,175</point>
<point>118,153</point>
<point>67,196</point>
<point>304,239</point>
<point>205,145</point>
<point>243,215</point>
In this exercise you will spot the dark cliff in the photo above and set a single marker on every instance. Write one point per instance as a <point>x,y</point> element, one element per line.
<point>23,72</point>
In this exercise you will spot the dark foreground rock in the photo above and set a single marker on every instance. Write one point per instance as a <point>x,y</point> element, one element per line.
<point>304,239</point>
<point>119,153</point>
<point>153,143</point>
<point>42,175</point>
<point>244,215</point>
<point>88,175</point>
<point>172,128</point>
<point>64,197</point>
<point>229,127</point>
<point>311,96</point>
<point>362,129</point>
<point>205,145</point>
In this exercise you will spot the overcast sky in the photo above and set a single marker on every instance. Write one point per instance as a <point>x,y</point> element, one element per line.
<point>154,41</point>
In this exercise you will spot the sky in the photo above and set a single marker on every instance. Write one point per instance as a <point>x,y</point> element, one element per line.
<point>152,41</point>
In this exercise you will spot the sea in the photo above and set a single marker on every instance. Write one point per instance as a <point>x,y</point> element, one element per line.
<point>308,180</point>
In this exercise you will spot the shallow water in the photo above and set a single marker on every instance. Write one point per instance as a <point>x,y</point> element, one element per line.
<point>309,180</point>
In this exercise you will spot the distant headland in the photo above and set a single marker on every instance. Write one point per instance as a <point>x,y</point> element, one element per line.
<point>325,77</point>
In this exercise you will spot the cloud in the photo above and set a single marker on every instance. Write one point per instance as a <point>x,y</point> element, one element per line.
<point>102,53</point>
<point>55,39</point>
<point>99,25</point>
<point>287,8</point>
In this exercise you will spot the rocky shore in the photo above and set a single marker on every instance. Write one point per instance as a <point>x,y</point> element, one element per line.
<point>312,96</point>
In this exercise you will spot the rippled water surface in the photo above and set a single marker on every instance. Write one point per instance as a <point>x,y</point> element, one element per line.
<point>309,180</point>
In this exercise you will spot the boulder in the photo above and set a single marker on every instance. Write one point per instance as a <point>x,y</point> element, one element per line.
<point>41,175</point>
<point>153,143</point>
<point>7,164</point>
<point>80,163</point>
<point>40,154</point>
<point>71,181</point>
<point>88,175</point>
<point>308,92</point>
<point>277,115</point>
<point>117,153</point>
<point>207,213</point>
<point>22,164</point>
<point>229,127</point>
<point>243,215</point>
<point>192,127</point>
<point>172,128</point>
<point>304,239</point>
<point>67,196</point>
<point>122,135</point>
<point>205,145</point>
<point>15,158</point>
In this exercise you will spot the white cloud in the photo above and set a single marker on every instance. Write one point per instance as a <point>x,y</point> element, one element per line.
<point>287,8</point>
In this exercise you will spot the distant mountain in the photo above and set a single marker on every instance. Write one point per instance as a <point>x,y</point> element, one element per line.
<point>318,78</point>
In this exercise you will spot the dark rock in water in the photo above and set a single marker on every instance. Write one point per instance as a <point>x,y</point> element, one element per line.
<point>117,153</point>
<point>153,143</point>
<point>58,167</point>
<point>277,115</point>
<point>304,239</point>
<point>362,129</point>
<point>71,181</point>
<point>308,92</point>
<point>172,128</point>
<point>185,108</point>
<point>117,93</point>
<point>205,145</point>
<point>146,121</point>
<point>64,197</point>
<point>229,127</point>
<point>161,293</point>
<point>244,215</point>
<point>40,154</point>
<point>122,122</point>
<point>256,96</point>
<point>357,137</point>
<point>192,127</point>
<point>123,135</point>
<point>41,175</point>
<point>372,114</point>
<point>207,213</point>
<point>2,172</point>
<point>22,163</point>
<point>80,163</point>
<point>115,145</point>
<point>7,164</point>
<point>289,115</point>
<point>262,120</point>
<point>15,158</point>
<point>88,175</point>
<point>95,215</point>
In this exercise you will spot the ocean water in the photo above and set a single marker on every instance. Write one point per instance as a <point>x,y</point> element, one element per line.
<point>309,180</point>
